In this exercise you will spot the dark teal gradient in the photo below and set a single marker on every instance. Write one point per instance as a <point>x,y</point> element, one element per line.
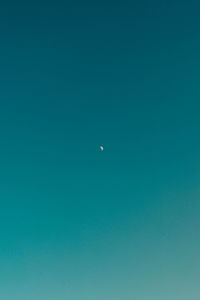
<point>77,223</point>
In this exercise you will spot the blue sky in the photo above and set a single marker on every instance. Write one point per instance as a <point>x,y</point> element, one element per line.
<point>77,223</point>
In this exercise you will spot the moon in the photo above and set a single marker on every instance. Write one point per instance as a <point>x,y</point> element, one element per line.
<point>101,148</point>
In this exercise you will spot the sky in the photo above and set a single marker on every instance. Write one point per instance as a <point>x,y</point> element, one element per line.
<point>79,223</point>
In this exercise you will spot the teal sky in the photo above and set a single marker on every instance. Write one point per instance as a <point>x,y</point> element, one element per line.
<point>77,223</point>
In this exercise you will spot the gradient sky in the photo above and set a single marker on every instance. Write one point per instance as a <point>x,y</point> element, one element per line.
<point>77,223</point>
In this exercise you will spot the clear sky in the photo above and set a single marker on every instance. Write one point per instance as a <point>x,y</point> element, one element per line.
<point>78,223</point>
